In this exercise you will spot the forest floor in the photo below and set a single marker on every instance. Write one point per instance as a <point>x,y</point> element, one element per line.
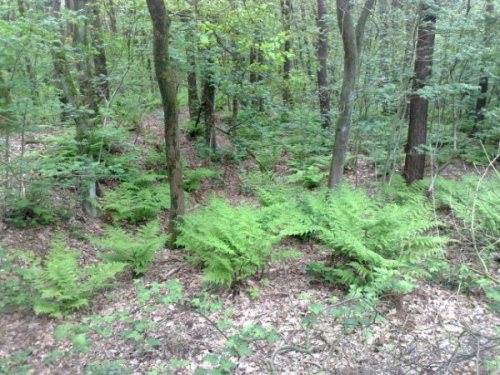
<point>434,329</point>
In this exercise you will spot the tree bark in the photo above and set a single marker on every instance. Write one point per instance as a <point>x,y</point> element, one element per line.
<point>256,62</point>
<point>112,16</point>
<point>286,8</point>
<point>192,82</point>
<point>324,91</point>
<point>100,66</point>
<point>168,90</point>
<point>483,81</point>
<point>208,100</point>
<point>352,40</point>
<point>417,130</point>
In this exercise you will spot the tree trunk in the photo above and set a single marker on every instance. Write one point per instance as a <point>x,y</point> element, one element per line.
<point>112,16</point>
<point>286,8</point>
<point>417,130</point>
<point>192,82</point>
<point>352,40</point>
<point>324,91</point>
<point>483,82</point>
<point>100,67</point>
<point>168,90</point>
<point>208,99</point>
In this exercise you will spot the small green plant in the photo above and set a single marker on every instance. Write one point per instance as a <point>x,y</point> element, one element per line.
<point>17,363</point>
<point>59,284</point>
<point>194,177</point>
<point>15,291</point>
<point>268,156</point>
<point>229,241</point>
<point>474,201</point>
<point>138,251</point>
<point>117,367</point>
<point>310,177</point>
<point>33,208</point>
<point>254,293</point>
<point>138,199</point>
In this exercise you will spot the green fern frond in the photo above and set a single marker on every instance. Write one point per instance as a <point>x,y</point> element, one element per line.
<point>138,251</point>
<point>229,241</point>
<point>138,200</point>
<point>60,284</point>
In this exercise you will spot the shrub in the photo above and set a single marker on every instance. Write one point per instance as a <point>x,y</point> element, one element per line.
<point>229,241</point>
<point>138,199</point>
<point>59,284</point>
<point>138,251</point>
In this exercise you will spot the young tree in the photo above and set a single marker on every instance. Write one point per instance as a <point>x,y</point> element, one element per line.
<point>168,89</point>
<point>352,40</point>
<point>324,92</point>
<point>417,130</point>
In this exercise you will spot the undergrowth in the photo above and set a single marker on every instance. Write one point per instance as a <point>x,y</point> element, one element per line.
<point>228,241</point>
<point>59,284</point>
<point>138,199</point>
<point>137,251</point>
<point>374,243</point>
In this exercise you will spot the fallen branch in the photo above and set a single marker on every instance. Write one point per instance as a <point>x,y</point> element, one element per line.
<point>282,350</point>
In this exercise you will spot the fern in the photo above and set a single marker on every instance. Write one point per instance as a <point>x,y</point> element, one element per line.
<point>194,177</point>
<point>468,193</point>
<point>368,237</point>
<point>372,238</point>
<point>59,284</point>
<point>137,200</point>
<point>137,251</point>
<point>290,215</point>
<point>229,241</point>
<point>310,177</point>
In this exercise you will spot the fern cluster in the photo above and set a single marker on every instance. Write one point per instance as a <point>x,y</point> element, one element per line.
<point>194,177</point>
<point>376,243</point>
<point>310,177</point>
<point>138,199</point>
<point>137,251</point>
<point>474,201</point>
<point>373,243</point>
<point>59,284</point>
<point>229,241</point>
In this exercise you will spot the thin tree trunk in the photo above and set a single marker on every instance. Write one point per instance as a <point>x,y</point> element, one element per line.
<point>208,99</point>
<point>324,91</point>
<point>112,16</point>
<point>483,81</point>
<point>100,67</point>
<point>417,130</point>
<point>168,90</point>
<point>352,40</point>
<point>256,60</point>
<point>192,84</point>
<point>286,8</point>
